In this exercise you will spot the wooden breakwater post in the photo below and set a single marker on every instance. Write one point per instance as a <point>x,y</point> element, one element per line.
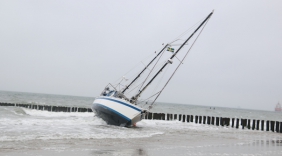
<point>225,121</point>
<point>150,115</point>
<point>184,118</point>
<point>280,127</point>
<point>249,124</point>
<point>175,116</point>
<point>156,116</point>
<point>237,123</point>
<point>277,126</point>
<point>258,124</point>
<point>221,121</point>
<point>243,123</point>
<point>162,116</point>
<point>179,117</point>
<point>232,122</point>
<point>200,119</point>
<point>217,121</point>
<point>272,125</point>
<point>254,124</point>
<point>169,116</point>
<point>209,120</point>
<point>212,120</point>
<point>188,118</point>
<point>262,125</point>
<point>267,125</point>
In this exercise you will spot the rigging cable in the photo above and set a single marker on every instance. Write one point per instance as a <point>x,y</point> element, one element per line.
<point>141,83</point>
<point>186,31</point>
<point>149,98</point>
<point>152,69</point>
<point>178,65</point>
<point>138,64</point>
<point>155,66</point>
<point>143,70</point>
<point>161,79</point>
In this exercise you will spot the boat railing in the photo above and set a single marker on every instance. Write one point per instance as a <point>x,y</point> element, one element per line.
<point>111,91</point>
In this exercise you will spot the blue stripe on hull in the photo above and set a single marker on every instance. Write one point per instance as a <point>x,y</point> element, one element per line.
<point>120,102</point>
<point>111,116</point>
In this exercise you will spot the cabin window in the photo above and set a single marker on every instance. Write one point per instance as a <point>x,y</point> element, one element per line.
<point>111,93</point>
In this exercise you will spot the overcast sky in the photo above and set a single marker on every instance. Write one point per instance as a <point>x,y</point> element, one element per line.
<point>77,47</point>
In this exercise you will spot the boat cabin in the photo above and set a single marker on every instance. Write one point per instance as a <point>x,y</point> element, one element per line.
<point>111,91</point>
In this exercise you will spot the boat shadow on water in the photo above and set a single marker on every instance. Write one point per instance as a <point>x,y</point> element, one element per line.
<point>133,152</point>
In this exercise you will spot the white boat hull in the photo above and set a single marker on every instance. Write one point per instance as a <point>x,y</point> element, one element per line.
<point>116,111</point>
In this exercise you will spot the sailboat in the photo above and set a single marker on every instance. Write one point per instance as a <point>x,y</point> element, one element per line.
<point>115,107</point>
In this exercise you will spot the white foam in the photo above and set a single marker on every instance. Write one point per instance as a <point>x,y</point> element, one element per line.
<point>62,125</point>
<point>34,112</point>
<point>177,125</point>
<point>45,125</point>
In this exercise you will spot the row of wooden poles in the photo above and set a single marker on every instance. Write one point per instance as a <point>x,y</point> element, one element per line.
<point>49,108</point>
<point>274,126</point>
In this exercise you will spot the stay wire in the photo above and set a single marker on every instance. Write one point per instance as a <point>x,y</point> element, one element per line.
<point>135,66</point>
<point>179,64</point>
<point>161,79</point>
<point>185,32</point>
<point>152,69</point>
<point>139,85</point>
<point>149,98</point>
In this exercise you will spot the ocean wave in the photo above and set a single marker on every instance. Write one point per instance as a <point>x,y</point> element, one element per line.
<point>42,113</point>
<point>10,111</point>
<point>46,126</point>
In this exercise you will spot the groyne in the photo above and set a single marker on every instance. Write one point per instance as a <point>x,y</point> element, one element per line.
<point>49,108</point>
<point>253,124</point>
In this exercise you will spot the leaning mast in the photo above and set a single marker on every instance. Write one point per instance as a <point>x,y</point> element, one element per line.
<point>169,61</point>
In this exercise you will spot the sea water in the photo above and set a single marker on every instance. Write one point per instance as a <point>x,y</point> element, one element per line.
<point>34,132</point>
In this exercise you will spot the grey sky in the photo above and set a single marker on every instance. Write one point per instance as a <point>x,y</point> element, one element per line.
<point>77,47</point>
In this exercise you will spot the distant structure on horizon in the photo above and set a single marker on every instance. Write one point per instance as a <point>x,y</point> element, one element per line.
<point>278,107</point>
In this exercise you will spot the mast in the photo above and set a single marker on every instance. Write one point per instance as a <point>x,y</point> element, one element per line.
<point>143,69</point>
<point>169,61</point>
